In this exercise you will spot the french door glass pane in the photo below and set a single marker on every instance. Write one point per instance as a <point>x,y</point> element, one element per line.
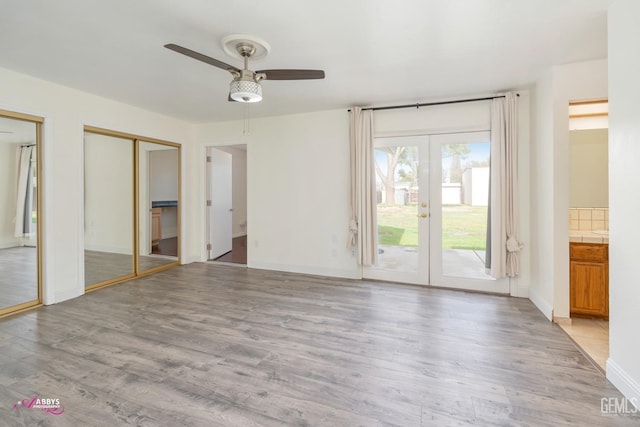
<point>397,212</point>
<point>465,200</point>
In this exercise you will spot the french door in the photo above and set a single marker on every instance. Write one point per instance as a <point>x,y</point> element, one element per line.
<point>432,211</point>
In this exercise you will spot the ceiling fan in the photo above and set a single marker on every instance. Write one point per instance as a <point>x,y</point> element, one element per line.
<point>245,86</point>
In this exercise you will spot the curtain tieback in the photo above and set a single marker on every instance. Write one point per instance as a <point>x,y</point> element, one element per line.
<point>513,245</point>
<point>353,232</point>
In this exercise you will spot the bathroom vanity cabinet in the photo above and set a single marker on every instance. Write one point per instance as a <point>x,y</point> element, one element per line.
<point>589,279</point>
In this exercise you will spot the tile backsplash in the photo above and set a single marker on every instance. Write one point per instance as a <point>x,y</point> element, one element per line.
<point>588,219</point>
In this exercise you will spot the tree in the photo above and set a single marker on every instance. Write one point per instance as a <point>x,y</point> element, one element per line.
<point>457,152</point>
<point>388,179</point>
<point>409,159</point>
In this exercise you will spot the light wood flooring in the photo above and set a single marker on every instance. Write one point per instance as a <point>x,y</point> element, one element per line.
<point>214,345</point>
<point>18,275</point>
<point>102,266</point>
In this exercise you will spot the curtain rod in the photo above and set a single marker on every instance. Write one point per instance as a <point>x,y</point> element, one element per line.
<point>27,145</point>
<point>428,104</point>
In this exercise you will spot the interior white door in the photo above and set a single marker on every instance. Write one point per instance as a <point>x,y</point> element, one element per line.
<point>219,167</point>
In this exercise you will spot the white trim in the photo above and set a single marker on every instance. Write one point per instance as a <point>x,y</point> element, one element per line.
<point>541,304</point>
<point>191,259</point>
<point>241,234</point>
<point>302,269</point>
<point>623,382</point>
<point>518,289</point>
<point>64,296</point>
<point>10,243</point>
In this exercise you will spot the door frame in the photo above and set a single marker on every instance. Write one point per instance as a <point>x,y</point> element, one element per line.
<point>421,274</point>
<point>206,196</point>
<point>429,272</point>
<point>224,244</point>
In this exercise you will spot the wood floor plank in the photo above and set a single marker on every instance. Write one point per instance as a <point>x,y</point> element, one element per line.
<point>213,345</point>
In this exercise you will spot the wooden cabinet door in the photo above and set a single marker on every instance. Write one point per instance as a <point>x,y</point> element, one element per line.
<point>589,288</point>
<point>156,225</point>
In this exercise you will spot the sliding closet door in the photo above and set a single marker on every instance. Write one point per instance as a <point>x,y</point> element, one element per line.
<point>20,214</point>
<point>158,207</point>
<point>132,206</point>
<point>108,209</point>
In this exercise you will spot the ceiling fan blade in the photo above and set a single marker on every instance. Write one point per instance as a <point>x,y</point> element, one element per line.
<point>200,57</point>
<point>292,74</point>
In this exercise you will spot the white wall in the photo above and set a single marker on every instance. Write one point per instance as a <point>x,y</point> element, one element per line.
<point>66,111</point>
<point>163,173</point>
<point>7,194</point>
<point>623,369</point>
<point>588,168</point>
<point>297,189</point>
<point>556,87</point>
<point>464,117</point>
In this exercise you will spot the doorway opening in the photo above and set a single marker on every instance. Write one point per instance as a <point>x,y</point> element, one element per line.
<point>588,325</point>
<point>227,204</point>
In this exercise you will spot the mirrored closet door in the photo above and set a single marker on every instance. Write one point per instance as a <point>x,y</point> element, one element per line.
<point>20,214</point>
<point>158,184</point>
<point>108,209</point>
<point>132,199</point>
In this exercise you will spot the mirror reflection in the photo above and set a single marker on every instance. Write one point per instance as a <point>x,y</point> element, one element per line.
<point>158,171</point>
<point>18,213</point>
<point>108,208</point>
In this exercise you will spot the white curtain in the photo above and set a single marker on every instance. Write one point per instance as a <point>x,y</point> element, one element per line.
<point>24,191</point>
<point>505,247</point>
<point>362,228</point>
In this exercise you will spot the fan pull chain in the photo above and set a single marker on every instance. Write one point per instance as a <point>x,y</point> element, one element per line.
<point>246,128</point>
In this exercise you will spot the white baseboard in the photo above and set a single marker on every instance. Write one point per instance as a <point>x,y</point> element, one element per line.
<point>64,296</point>
<point>240,234</point>
<point>623,382</point>
<point>541,304</point>
<point>9,243</point>
<point>518,289</point>
<point>188,260</point>
<point>318,271</point>
<point>109,249</point>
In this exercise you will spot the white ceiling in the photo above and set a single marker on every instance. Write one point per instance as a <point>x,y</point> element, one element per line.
<point>14,131</point>
<point>374,52</point>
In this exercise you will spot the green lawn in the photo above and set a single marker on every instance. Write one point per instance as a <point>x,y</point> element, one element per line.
<point>463,227</point>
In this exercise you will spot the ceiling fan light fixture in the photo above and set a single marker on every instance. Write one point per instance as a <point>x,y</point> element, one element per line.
<point>245,91</point>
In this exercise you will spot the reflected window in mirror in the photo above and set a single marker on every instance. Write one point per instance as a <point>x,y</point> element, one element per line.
<point>20,188</point>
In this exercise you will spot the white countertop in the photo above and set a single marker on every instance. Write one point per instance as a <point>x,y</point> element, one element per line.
<point>596,236</point>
